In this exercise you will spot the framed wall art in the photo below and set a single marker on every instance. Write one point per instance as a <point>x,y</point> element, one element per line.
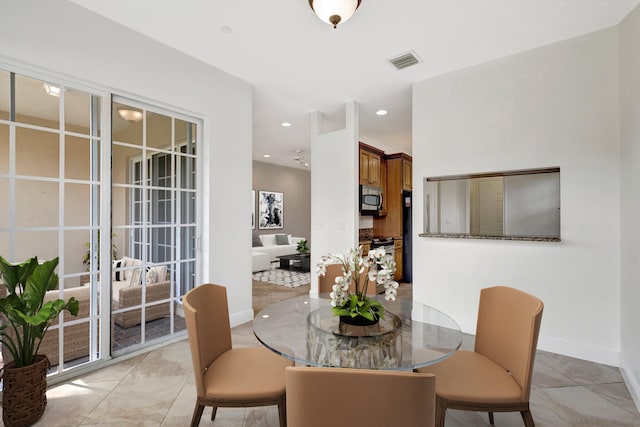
<point>270,210</point>
<point>253,209</point>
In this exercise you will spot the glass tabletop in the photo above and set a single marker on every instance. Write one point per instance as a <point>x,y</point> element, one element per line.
<point>410,336</point>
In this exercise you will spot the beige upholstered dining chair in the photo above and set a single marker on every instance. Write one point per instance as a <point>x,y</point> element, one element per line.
<point>326,282</point>
<point>496,377</point>
<point>226,376</point>
<point>359,397</point>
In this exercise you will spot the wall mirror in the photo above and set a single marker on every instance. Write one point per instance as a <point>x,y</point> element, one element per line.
<point>510,205</point>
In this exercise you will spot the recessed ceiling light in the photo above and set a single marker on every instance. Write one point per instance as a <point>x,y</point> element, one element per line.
<point>267,155</point>
<point>381,112</point>
<point>226,30</point>
<point>285,124</point>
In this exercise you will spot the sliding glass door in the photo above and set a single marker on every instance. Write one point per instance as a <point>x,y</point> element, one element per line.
<point>154,221</point>
<point>50,184</point>
<point>108,185</point>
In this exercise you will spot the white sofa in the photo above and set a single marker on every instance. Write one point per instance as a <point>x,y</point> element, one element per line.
<point>263,256</point>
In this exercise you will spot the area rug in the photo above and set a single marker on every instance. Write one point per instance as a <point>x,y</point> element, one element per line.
<point>276,276</point>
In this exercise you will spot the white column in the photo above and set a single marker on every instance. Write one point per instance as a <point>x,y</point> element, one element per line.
<point>334,188</point>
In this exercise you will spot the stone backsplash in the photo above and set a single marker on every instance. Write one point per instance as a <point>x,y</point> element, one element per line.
<point>365,234</point>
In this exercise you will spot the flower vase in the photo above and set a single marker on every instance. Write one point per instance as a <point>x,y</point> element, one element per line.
<point>359,320</point>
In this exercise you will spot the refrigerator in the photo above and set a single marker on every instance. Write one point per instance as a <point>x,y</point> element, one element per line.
<point>406,238</point>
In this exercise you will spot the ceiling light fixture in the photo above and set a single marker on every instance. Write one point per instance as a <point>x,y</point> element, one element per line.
<point>381,112</point>
<point>52,90</point>
<point>130,115</point>
<point>285,124</point>
<point>266,155</point>
<point>299,158</point>
<point>334,12</point>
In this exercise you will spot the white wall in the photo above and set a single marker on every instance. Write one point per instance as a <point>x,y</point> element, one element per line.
<point>630,200</point>
<point>552,106</point>
<point>334,186</point>
<point>295,185</point>
<point>71,43</point>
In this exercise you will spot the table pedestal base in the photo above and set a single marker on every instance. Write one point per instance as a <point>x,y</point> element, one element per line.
<point>330,343</point>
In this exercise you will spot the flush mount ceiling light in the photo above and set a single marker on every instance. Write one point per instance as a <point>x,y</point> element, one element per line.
<point>52,90</point>
<point>334,11</point>
<point>130,115</point>
<point>381,112</point>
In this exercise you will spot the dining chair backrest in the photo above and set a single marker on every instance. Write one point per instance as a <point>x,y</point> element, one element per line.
<point>359,397</point>
<point>507,331</point>
<point>207,318</point>
<point>326,282</point>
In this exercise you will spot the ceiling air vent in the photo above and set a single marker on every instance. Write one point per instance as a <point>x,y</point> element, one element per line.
<point>405,60</point>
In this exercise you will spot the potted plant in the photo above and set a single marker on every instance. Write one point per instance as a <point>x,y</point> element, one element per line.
<point>302,247</point>
<point>86,258</point>
<point>351,303</point>
<point>25,320</point>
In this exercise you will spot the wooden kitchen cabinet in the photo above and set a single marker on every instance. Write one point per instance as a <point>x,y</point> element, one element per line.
<point>365,249</point>
<point>383,185</point>
<point>397,256</point>
<point>370,165</point>
<point>391,223</point>
<point>406,174</point>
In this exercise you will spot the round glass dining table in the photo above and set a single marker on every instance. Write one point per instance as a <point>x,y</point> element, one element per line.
<point>411,335</point>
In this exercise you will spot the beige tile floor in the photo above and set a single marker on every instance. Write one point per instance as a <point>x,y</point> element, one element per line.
<point>157,389</point>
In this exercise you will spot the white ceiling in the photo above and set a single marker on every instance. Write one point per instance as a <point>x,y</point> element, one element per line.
<point>298,64</point>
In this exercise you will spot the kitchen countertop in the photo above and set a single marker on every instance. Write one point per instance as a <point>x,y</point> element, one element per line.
<point>469,236</point>
<point>369,241</point>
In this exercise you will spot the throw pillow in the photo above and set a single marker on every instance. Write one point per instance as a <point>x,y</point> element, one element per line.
<point>151,275</point>
<point>256,240</point>
<point>282,239</point>
<point>160,273</point>
<point>117,274</point>
<point>130,262</point>
<point>136,277</point>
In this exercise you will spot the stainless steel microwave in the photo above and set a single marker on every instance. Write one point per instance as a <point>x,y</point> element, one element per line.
<point>370,200</point>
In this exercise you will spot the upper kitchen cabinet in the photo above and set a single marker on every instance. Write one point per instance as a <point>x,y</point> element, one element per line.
<point>370,165</point>
<point>406,173</point>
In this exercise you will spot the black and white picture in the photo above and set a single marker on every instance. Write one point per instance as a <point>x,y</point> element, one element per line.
<point>271,210</point>
<point>253,209</point>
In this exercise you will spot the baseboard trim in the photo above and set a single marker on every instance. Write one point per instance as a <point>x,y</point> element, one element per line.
<point>566,348</point>
<point>241,317</point>
<point>632,382</point>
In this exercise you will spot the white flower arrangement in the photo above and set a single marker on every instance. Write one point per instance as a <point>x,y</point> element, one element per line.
<point>381,268</point>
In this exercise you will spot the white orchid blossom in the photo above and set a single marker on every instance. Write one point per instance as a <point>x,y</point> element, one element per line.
<point>381,268</point>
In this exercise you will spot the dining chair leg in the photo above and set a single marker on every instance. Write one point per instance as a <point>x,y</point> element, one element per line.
<point>282,411</point>
<point>197,414</point>
<point>527,418</point>
<point>491,418</point>
<point>214,411</point>
<point>441,407</point>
